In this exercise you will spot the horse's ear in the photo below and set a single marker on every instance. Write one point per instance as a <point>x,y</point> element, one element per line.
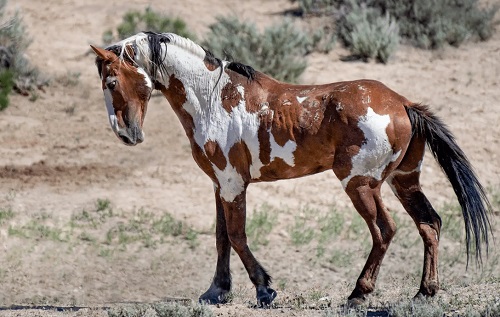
<point>104,54</point>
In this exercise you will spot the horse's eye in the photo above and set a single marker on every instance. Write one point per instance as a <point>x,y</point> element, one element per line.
<point>111,84</point>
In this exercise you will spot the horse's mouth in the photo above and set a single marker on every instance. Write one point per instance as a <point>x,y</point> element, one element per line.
<point>135,137</point>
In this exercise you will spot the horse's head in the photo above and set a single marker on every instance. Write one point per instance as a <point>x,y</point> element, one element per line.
<point>127,89</point>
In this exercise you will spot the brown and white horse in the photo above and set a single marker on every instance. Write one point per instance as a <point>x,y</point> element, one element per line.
<point>246,127</point>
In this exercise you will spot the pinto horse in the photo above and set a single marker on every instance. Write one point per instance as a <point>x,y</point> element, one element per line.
<point>246,127</point>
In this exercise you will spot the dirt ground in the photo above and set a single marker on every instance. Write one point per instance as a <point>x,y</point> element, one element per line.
<point>58,158</point>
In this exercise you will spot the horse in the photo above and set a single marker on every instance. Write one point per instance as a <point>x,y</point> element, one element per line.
<point>246,127</point>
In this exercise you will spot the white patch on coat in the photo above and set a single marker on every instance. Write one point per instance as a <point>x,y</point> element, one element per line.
<point>149,83</point>
<point>113,121</point>
<point>284,152</point>
<point>301,99</point>
<point>376,151</point>
<point>417,169</point>
<point>230,181</point>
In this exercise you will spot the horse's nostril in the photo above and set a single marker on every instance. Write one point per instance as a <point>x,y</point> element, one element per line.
<point>125,138</point>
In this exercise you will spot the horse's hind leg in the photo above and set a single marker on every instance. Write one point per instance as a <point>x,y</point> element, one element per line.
<point>404,181</point>
<point>365,195</point>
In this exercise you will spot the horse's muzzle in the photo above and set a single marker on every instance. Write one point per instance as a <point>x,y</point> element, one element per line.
<point>131,136</point>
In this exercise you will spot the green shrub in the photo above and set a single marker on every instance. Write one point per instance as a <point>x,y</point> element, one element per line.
<point>425,23</point>
<point>367,33</point>
<point>6,214</point>
<point>6,84</point>
<point>259,225</point>
<point>417,308</point>
<point>159,309</point>
<point>279,51</point>
<point>136,21</point>
<point>15,70</point>
<point>300,233</point>
<point>316,7</point>
<point>431,24</point>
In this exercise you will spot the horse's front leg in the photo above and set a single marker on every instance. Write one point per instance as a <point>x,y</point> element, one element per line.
<point>221,284</point>
<point>235,215</point>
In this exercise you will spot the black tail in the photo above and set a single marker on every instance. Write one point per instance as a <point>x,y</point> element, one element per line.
<point>470,193</point>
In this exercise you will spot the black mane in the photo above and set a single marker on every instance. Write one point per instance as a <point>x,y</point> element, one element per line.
<point>242,69</point>
<point>155,40</point>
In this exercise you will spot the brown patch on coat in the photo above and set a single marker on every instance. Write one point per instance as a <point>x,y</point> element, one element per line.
<point>276,170</point>
<point>230,97</point>
<point>202,160</point>
<point>312,115</point>
<point>285,120</point>
<point>176,96</point>
<point>255,95</point>
<point>240,158</point>
<point>210,66</point>
<point>264,144</point>
<point>413,156</point>
<point>215,155</point>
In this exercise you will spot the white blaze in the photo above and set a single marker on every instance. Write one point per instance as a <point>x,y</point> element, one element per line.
<point>113,121</point>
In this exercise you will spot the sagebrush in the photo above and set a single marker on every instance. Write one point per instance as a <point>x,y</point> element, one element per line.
<point>431,24</point>
<point>135,21</point>
<point>161,309</point>
<point>316,7</point>
<point>371,28</point>
<point>279,50</point>
<point>368,33</point>
<point>424,23</point>
<point>16,72</point>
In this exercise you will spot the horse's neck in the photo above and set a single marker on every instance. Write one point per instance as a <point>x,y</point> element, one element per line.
<point>195,94</point>
<point>201,85</point>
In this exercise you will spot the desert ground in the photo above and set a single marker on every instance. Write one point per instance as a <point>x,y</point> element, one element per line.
<point>79,206</point>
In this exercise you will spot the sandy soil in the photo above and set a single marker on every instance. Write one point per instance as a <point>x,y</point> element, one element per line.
<point>58,156</point>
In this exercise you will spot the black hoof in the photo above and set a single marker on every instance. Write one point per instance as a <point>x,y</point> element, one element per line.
<point>428,289</point>
<point>356,302</point>
<point>265,296</point>
<point>214,295</point>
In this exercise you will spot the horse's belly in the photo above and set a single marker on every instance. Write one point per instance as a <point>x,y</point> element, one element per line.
<point>295,164</point>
